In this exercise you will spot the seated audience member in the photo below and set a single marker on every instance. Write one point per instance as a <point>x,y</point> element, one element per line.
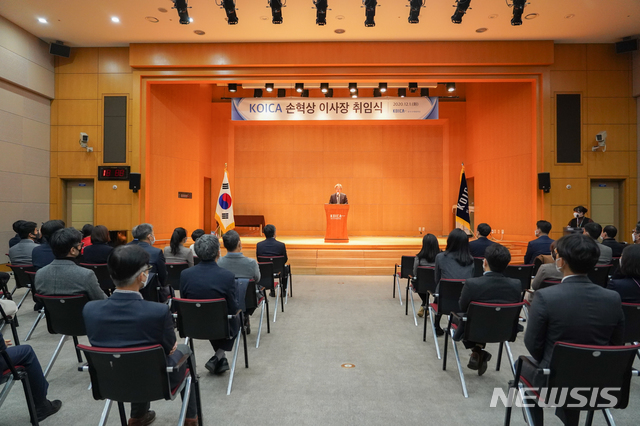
<point>478,246</point>
<point>126,320</point>
<point>541,244</point>
<point>42,255</point>
<point>24,356</point>
<point>16,228</point>
<point>635,234</point>
<point>579,219</point>
<point>491,287</point>
<point>547,271</point>
<point>133,234</point>
<point>426,257</point>
<point>145,238</point>
<point>207,280</point>
<point>594,230</point>
<point>565,313</point>
<point>176,252</point>
<point>63,277</point>
<point>271,247</point>
<point>629,285</point>
<point>99,250</point>
<point>86,236</point>
<point>609,233</point>
<point>20,254</point>
<point>194,236</point>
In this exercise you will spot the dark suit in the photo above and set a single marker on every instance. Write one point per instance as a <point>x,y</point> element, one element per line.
<point>96,253</point>
<point>125,320</point>
<point>42,255</point>
<point>616,247</point>
<point>540,245</point>
<point>207,280</point>
<point>14,240</point>
<point>158,263</point>
<point>627,288</point>
<point>334,199</point>
<point>477,247</point>
<point>271,247</point>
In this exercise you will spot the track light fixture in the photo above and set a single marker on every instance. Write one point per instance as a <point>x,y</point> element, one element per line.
<point>276,11</point>
<point>518,10</point>
<point>414,11</point>
<point>329,93</point>
<point>233,87</point>
<point>257,93</point>
<point>369,12</point>
<point>413,87</point>
<point>382,87</point>
<point>299,87</point>
<point>181,6</point>
<point>402,92</point>
<point>353,87</point>
<point>269,87</point>
<point>424,92</point>
<point>305,93</point>
<point>321,11</point>
<point>461,8</point>
<point>354,93</point>
<point>229,7</point>
<point>451,87</point>
<point>324,87</point>
<point>282,93</point>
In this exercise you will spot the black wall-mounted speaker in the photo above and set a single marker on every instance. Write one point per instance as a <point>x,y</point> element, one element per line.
<point>134,181</point>
<point>59,50</point>
<point>544,181</point>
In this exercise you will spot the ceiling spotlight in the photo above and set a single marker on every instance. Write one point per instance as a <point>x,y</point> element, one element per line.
<point>451,87</point>
<point>181,6</point>
<point>269,87</point>
<point>376,93</point>
<point>230,9</point>
<point>382,87</point>
<point>402,92</point>
<point>305,93</point>
<point>329,93</point>
<point>115,19</point>
<point>424,92</point>
<point>369,12</point>
<point>42,20</point>
<point>324,87</point>
<point>321,12</point>
<point>518,9</point>
<point>353,87</point>
<point>414,11</point>
<point>276,11</point>
<point>233,87</point>
<point>413,87</point>
<point>282,93</point>
<point>354,94</point>
<point>299,87</point>
<point>257,93</point>
<point>461,9</point>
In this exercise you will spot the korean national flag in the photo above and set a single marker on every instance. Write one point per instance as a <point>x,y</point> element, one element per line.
<point>224,207</point>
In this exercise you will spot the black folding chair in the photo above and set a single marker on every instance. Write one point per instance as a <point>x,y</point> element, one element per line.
<point>41,314</point>
<point>207,319</point>
<point>137,375</point>
<point>151,291</point>
<point>102,274</point>
<point>427,282</point>
<point>600,275</point>
<point>267,281</point>
<point>631,323</point>
<point>420,284</point>
<point>401,272</point>
<point>173,274</point>
<point>4,289</point>
<point>445,301</point>
<point>484,323</point>
<point>579,367</point>
<point>13,323</point>
<point>252,301</point>
<point>23,280</point>
<point>10,377</point>
<point>282,273</point>
<point>522,273</point>
<point>64,316</point>
<point>478,269</point>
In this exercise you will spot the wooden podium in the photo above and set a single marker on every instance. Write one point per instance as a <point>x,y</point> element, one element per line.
<point>336,223</point>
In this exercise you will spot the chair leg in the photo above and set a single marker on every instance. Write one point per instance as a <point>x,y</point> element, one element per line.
<point>399,294</point>
<point>446,346</point>
<point>433,331</point>
<point>185,401</point>
<point>55,355</point>
<point>105,412</point>
<point>413,308</point>
<point>455,351</point>
<point>29,397</point>
<point>510,356</point>
<point>589,420</point>
<point>7,387</point>
<point>233,364</point>
<point>75,345</point>
<point>290,283</point>
<point>244,342</point>
<point>499,356</point>
<point>196,386</point>
<point>275,311</point>
<point>266,302</point>
<point>395,274</point>
<point>14,331</point>
<point>24,297</point>
<point>282,291</point>
<point>608,417</point>
<point>525,311</point>
<point>406,297</point>
<point>35,324</point>
<point>123,415</point>
<point>424,331</point>
<point>260,326</point>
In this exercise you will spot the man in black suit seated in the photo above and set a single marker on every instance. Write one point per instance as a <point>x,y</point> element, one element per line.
<point>271,247</point>
<point>491,287</point>
<point>16,228</point>
<point>126,320</point>
<point>575,311</point>
<point>541,245</point>
<point>477,247</point>
<point>43,255</point>
<point>609,239</point>
<point>145,238</point>
<point>207,280</point>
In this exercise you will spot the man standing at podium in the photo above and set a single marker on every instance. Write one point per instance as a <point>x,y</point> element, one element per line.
<point>338,197</point>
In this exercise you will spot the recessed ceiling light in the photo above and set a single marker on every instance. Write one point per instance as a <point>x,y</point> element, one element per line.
<point>162,10</point>
<point>570,16</point>
<point>340,17</point>
<point>42,20</point>
<point>199,32</point>
<point>115,19</point>
<point>152,19</point>
<point>531,16</point>
<point>494,16</point>
<point>481,30</point>
<point>339,31</point>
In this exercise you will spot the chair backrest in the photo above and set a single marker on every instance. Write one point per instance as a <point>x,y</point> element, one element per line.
<point>426,279</point>
<point>406,266</point>
<point>521,272</point>
<point>64,314</point>
<point>492,322</point>
<point>477,266</point>
<point>128,375</point>
<point>278,263</point>
<point>250,297</point>
<point>631,322</point>
<point>102,274</point>
<point>449,295</point>
<point>20,275</point>
<point>202,318</point>
<point>266,275</point>
<point>583,366</point>
<point>173,274</point>
<point>548,283</point>
<point>600,275</point>
<point>615,261</point>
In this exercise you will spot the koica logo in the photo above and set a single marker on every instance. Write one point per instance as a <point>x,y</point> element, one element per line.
<point>597,398</point>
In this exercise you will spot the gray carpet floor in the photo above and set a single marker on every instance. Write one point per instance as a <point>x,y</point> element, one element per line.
<point>296,378</point>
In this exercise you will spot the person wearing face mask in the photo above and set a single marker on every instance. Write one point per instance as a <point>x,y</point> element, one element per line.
<point>547,271</point>
<point>63,277</point>
<point>628,283</point>
<point>635,234</point>
<point>20,254</point>
<point>143,233</point>
<point>541,244</point>
<point>579,219</point>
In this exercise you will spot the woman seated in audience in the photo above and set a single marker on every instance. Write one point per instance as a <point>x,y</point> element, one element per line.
<point>546,271</point>
<point>426,257</point>
<point>176,252</point>
<point>194,236</point>
<point>99,250</point>
<point>454,263</point>
<point>86,236</point>
<point>629,285</point>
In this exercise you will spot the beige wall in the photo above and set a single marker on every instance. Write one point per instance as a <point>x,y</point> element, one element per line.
<point>26,87</point>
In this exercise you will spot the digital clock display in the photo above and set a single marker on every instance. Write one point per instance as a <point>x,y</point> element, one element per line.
<point>113,172</point>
